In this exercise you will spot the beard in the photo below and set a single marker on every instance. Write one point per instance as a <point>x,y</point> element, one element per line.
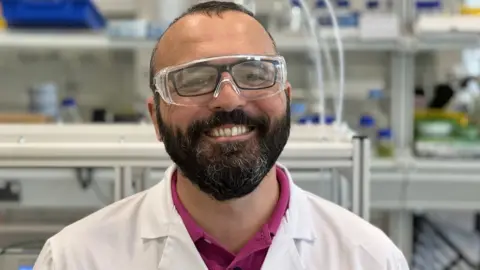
<point>226,170</point>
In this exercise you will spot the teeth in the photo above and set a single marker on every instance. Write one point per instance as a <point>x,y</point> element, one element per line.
<point>229,132</point>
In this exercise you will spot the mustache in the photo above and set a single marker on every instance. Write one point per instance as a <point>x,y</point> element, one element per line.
<point>235,117</point>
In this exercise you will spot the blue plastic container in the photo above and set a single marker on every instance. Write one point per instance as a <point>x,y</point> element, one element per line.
<point>79,14</point>
<point>315,119</point>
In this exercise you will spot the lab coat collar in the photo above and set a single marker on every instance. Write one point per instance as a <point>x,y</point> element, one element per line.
<point>158,217</point>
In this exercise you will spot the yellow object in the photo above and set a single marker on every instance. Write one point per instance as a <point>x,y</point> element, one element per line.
<point>460,118</point>
<point>470,11</point>
<point>385,149</point>
<point>3,23</point>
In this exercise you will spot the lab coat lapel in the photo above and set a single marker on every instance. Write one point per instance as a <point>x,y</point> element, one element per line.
<point>297,227</point>
<point>161,222</point>
<point>179,252</point>
<point>283,253</point>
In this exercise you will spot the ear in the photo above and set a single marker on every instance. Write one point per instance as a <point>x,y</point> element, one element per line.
<point>288,91</point>
<point>151,109</point>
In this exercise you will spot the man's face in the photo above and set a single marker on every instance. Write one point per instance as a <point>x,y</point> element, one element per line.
<point>198,139</point>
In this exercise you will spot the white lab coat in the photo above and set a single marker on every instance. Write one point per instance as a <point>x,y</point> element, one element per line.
<point>145,232</point>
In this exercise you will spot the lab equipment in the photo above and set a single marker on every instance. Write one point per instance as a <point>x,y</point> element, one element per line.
<point>69,112</point>
<point>372,6</point>
<point>384,143</point>
<point>346,17</point>
<point>43,99</point>
<point>372,107</point>
<point>465,97</point>
<point>378,6</point>
<point>253,77</point>
<point>367,127</point>
<point>295,16</point>
<point>315,119</point>
<point>58,14</point>
<point>428,7</point>
<point>317,44</point>
<point>321,14</point>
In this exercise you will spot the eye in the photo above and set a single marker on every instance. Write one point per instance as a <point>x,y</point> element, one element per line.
<point>198,80</point>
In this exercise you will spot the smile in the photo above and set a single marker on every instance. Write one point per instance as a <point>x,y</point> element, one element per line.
<point>231,132</point>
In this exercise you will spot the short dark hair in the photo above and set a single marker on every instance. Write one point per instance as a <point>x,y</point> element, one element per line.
<point>209,8</point>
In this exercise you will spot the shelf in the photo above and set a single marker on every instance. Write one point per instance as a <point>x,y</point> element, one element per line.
<point>86,40</point>
<point>434,185</point>
<point>285,42</point>
<point>136,145</point>
<point>101,41</point>
<point>68,40</point>
<point>294,43</point>
<point>447,41</point>
<point>306,155</point>
<point>425,184</point>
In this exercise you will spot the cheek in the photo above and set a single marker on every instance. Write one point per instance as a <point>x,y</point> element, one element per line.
<point>273,106</point>
<point>181,117</point>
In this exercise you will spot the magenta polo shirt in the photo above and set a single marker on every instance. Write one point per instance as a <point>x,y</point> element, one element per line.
<point>252,255</point>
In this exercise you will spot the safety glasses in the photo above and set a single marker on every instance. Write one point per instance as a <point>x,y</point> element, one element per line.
<point>197,83</point>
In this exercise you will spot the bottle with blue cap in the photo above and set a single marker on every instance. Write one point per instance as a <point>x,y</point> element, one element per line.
<point>367,127</point>
<point>428,6</point>
<point>346,16</point>
<point>372,6</point>
<point>321,14</point>
<point>69,112</point>
<point>296,16</point>
<point>373,107</point>
<point>384,143</point>
<point>315,119</point>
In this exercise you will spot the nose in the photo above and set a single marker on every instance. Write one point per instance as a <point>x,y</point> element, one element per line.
<point>227,96</point>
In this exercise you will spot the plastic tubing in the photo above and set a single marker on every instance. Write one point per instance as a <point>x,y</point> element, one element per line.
<point>318,60</point>
<point>317,57</point>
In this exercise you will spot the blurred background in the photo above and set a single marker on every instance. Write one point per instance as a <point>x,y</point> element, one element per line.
<point>412,86</point>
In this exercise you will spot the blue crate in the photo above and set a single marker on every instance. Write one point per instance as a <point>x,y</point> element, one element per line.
<point>52,14</point>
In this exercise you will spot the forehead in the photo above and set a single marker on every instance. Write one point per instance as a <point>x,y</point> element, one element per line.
<point>198,36</point>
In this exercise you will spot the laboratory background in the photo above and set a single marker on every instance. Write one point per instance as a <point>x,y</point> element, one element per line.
<point>75,133</point>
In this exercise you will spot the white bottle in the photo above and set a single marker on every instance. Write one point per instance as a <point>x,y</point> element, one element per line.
<point>296,16</point>
<point>321,14</point>
<point>69,112</point>
<point>372,107</point>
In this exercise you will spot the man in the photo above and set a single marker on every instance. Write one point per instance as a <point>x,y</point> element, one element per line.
<point>221,108</point>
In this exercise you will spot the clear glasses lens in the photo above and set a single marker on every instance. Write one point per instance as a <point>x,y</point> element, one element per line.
<point>195,84</point>
<point>194,81</point>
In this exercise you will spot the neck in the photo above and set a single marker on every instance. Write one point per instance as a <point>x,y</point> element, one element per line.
<point>231,223</point>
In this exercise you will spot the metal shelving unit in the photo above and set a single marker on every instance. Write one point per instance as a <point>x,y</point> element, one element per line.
<point>285,42</point>
<point>126,147</point>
